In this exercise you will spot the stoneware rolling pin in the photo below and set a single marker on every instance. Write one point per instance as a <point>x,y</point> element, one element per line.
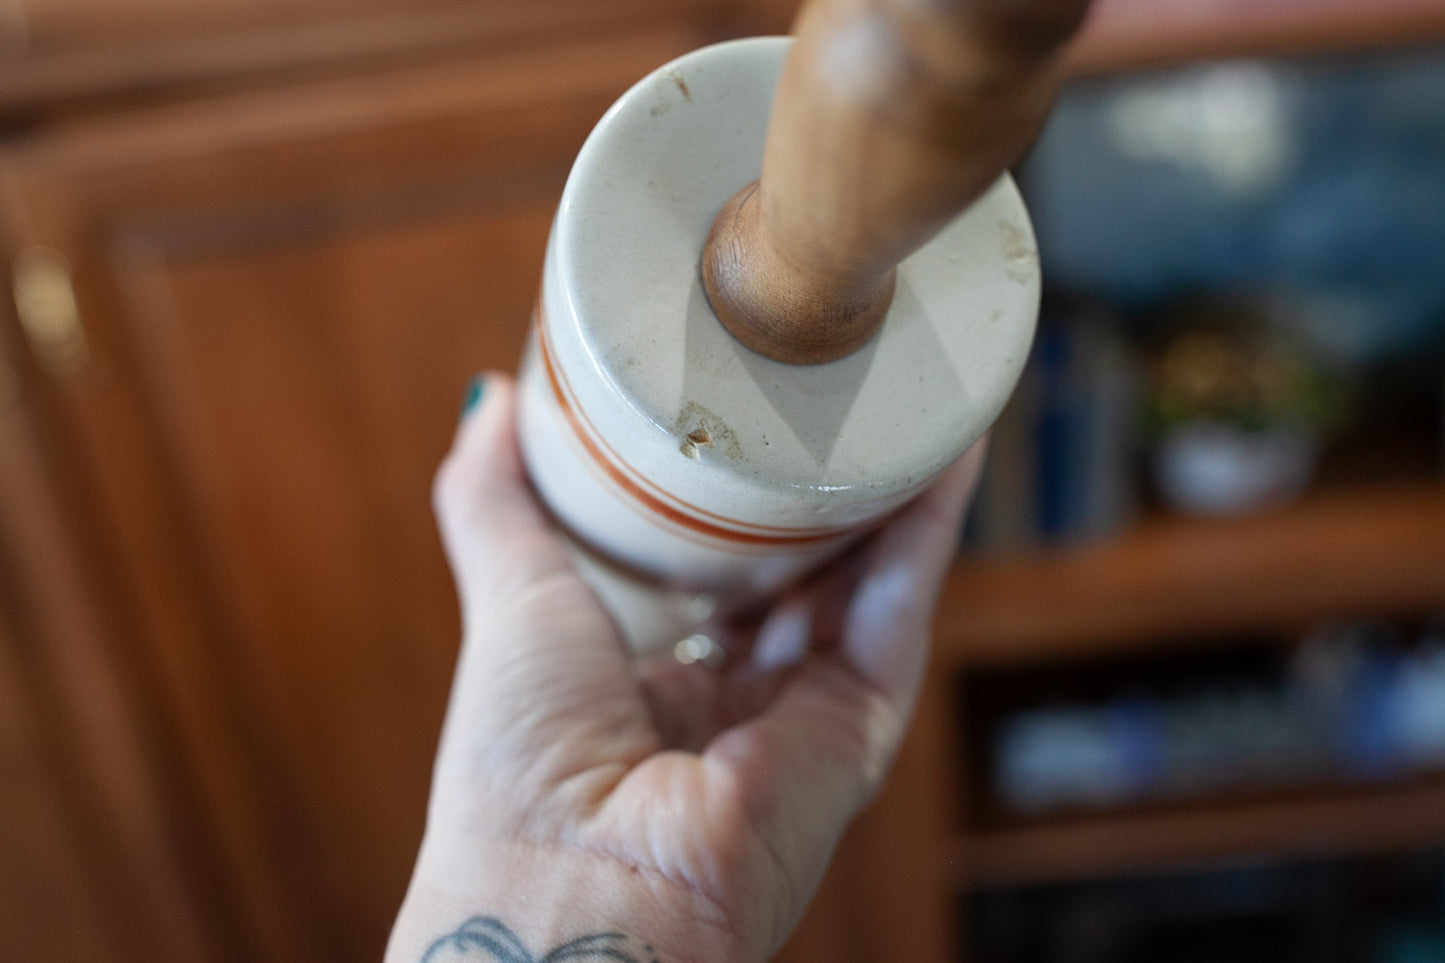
<point>789,283</point>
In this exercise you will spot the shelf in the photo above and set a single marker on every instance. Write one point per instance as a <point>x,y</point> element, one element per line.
<point>1348,554</point>
<point>1129,34</point>
<point>1362,822</point>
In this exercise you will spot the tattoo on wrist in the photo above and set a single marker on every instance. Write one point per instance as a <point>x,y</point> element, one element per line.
<point>486,939</point>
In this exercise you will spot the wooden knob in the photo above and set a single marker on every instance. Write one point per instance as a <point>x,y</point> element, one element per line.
<point>891,116</point>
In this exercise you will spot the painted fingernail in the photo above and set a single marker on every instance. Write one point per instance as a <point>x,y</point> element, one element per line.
<point>473,397</point>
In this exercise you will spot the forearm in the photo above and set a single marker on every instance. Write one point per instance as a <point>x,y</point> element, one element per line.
<point>525,905</point>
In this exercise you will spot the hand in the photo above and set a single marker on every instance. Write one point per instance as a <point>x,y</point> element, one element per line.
<point>595,806</point>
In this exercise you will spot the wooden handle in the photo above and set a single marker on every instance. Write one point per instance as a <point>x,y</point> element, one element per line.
<point>891,116</point>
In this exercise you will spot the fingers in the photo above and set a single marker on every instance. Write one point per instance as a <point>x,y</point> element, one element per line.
<point>823,745</point>
<point>542,685</point>
<point>874,606</point>
<point>682,700</point>
<point>886,633</point>
<point>786,635</point>
<point>495,534</point>
<point>802,769</point>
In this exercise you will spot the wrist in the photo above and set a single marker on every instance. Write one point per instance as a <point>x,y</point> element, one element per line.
<point>463,898</point>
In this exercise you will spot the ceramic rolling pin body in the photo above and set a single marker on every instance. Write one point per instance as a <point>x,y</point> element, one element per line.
<point>692,472</point>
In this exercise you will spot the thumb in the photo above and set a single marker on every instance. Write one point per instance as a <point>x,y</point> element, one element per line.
<point>496,536</point>
<point>543,683</point>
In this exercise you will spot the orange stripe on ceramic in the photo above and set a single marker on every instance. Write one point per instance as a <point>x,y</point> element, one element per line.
<point>648,496</point>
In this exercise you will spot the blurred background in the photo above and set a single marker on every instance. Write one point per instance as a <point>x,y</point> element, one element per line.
<point>1188,693</point>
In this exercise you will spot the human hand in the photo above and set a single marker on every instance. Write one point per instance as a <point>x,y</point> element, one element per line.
<point>586,805</point>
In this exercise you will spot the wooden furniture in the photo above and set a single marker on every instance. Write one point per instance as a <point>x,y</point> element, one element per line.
<point>258,250</point>
<point>255,261</point>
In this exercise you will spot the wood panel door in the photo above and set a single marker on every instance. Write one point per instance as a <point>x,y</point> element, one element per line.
<point>281,296</point>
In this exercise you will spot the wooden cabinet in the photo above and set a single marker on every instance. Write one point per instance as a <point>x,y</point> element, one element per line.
<point>248,316</point>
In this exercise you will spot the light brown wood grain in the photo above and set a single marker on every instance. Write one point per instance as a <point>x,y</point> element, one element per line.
<point>99,852</point>
<point>80,56</point>
<point>285,293</point>
<point>890,118</point>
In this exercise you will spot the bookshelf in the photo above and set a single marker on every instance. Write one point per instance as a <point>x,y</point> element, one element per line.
<point>1131,34</point>
<point>1350,553</point>
<point>1351,822</point>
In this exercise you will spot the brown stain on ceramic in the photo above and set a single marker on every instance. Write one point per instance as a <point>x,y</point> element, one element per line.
<point>701,429</point>
<point>697,438</point>
<point>1021,259</point>
<point>682,86</point>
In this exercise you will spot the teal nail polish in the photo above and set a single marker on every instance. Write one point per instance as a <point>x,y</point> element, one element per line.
<point>475,389</point>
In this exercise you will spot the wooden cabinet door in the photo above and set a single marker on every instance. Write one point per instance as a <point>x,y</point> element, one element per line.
<point>281,296</point>
<point>86,56</point>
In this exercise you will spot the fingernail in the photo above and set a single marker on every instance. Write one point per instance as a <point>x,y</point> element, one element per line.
<point>475,389</point>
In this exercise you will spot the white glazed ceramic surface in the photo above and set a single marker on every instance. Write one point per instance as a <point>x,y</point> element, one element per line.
<point>658,438</point>
<point>625,516</point>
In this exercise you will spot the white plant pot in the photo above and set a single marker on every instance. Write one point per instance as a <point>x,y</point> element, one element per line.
<point>1210,468</point>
